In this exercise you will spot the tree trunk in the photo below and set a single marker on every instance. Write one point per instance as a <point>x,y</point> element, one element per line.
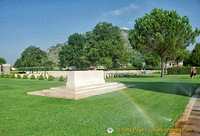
<point>162,66</point>
<point>165,66</point>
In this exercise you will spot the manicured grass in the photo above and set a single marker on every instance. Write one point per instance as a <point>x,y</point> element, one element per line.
<point>150,104</point>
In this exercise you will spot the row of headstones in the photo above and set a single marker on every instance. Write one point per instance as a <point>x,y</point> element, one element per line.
<point>5,68</point>
<point>113,75</point>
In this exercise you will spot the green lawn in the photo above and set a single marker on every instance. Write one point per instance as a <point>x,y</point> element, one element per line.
<point>150,104</point>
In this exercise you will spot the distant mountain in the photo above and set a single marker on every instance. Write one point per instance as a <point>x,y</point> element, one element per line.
<point>52,51</point>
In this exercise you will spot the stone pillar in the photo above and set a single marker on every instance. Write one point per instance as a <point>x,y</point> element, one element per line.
<point>6,69</point>
<point>0,69</point>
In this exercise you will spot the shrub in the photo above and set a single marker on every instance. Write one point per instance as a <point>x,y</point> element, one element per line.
<point>2,75</point>
<point>25,77</point>
<point>50,78</point>
<point>18,76</point>
<point>41,77</point>
<point>12,75</point>
<point>181,70</point>
<point>7,76</point>
<point>61,78</point>
<point>137,64</point>
<point>32,77</point>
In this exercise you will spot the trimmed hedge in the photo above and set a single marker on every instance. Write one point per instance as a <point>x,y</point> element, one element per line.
<point>18,76</point>
<point>61,78</point>
<point>50,78</point>
<point>35,68</point>
<point>32,77</point>
<point>7,76</point>
<point>181,70</point>
<point>41,77</point>
<point>25,77</point>
<point>12,75</point>
<point>2,75</point>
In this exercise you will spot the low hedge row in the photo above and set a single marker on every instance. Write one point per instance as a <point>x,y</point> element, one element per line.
<point>41,77</point>
<point>181,70</point>
<point>35,68</point>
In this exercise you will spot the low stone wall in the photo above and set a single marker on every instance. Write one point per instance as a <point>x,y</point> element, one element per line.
<point>107,74</point>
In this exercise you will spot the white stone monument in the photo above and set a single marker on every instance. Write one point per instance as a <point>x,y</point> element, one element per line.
<point>6,69</point>
<point>81,84</point>
<point>0,69</point>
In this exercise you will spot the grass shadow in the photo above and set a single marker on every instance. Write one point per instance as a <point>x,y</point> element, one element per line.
<point>177,88</point>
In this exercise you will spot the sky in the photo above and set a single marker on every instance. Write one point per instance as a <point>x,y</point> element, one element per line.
<point>44,23</point>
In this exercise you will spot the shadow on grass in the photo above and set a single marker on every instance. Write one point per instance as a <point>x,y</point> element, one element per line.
<point>141,76</point>
<point>177,88</point>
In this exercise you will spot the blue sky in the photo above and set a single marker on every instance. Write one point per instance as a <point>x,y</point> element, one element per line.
<point>46,22</point>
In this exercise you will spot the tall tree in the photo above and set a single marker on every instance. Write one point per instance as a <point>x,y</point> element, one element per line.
<point>162,32</point>
<point>152,61</point>
<point>105,46</point>
<point>181,55</point>
<point>195,55</point>
<point>32,57</point>
<point>2,61</point>
<point>73,53</point>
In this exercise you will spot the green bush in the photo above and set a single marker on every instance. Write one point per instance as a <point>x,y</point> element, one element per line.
<point>7,76</point>
<point>181,70</point>
<point>25,77</point>
<point>137,64</point>
<point>61,78</point>
<point>32,77</point>
<point>12,75</point>
<point>50,78</point>
<point>18,76</point>
<point>41,77</point>
<point>2,75</point>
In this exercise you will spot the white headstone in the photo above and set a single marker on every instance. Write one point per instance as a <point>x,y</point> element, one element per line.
<point>6,69</point>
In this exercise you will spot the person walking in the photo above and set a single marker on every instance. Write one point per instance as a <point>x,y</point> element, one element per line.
<point>194,71</point>
<point>191,73</point>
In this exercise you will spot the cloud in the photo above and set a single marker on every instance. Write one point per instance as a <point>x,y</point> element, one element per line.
<point>121,10</point>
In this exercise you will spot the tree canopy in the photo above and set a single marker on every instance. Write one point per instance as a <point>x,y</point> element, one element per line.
<point>162,32</point>
<point>32,57</point>
<point>152,61</point>
<point>103,46</point>
<point>2,61</point>
<point>73,53</point>
<point>195,56</point>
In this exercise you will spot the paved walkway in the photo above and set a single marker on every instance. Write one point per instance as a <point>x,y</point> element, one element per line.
<point>190,118</point>
<point>193,121</point>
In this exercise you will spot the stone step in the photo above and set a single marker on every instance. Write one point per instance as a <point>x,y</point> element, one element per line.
<point>63,92</point>
<point>48,91</point>
<point>86,91</point>
<point>63,88</point>
<point>97,91</point>
<point>101,88</point>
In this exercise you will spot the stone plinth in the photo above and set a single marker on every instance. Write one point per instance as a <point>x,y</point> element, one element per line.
<point>78,79</point>
<point>82,84</point>
<point>6,69</point>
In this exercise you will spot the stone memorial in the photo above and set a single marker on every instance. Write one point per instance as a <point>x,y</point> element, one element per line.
<point>81,84</point>
<point>0,69</point>
<point>6,69</point>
